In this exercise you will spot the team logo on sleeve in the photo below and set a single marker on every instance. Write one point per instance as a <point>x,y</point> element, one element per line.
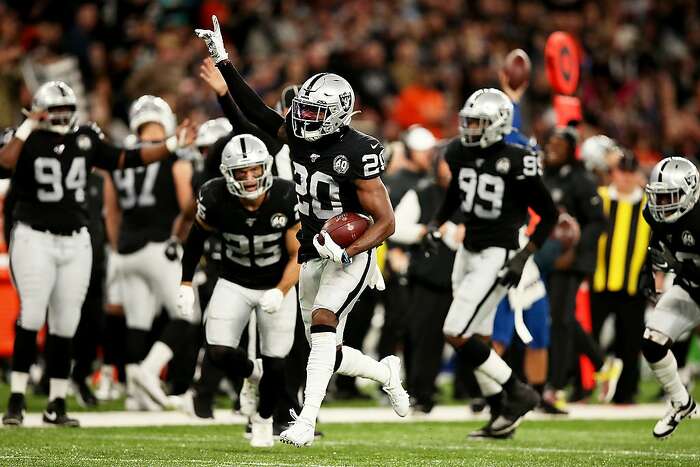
<point>687,238</point>
<point>503,165</point>
<point>84,143</point>
<point>59,149</point>
<point>341,164</point>
<point>314,157</point>
<point>278,220</point>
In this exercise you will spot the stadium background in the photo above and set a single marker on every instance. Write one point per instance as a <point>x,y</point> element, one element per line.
<point>408,61</point>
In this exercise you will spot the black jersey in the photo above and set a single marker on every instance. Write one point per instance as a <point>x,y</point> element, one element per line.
<point>51,176</point>
<point>324,172</point>
<point>254,250</point>
<point>494,187</point>
<point>148,202</point>
<point>683,239</point>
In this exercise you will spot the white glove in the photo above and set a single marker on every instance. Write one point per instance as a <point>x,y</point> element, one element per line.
<point>330,250</point>
<point>214,41</point>
<point>271,300</point>
<point>185,302</point>
<point>376,280</point>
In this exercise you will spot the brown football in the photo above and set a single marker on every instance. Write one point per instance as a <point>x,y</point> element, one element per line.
<point>345,228</point>
<point>517,67</point>
<point>567,231</point>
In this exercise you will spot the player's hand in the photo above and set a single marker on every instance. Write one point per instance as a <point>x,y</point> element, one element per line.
<point>172,249</point>
<point>31,123</point>
<point>647,284</point>
<point>212,76</point>
<point>328,249</point>
<point>662,258</point>
<point>214,41</point>
<point>271,300</point>
<point>514,94</point>
<point>430,243</point>
<point>512,272</point>
<point>185,302</point>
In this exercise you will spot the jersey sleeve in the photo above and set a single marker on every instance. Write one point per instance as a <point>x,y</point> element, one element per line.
<point>526,164</point>
<point>367,162</point>
<point>293,206</point>
<point>102,154</point>
<point>206,204</point>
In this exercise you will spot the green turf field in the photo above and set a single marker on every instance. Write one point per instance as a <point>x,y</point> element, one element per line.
<point>552,443</point>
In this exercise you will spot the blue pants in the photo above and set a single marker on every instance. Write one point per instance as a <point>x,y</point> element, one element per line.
<point>536,319</point>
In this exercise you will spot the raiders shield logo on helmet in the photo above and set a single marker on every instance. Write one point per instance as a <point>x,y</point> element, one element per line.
<point>345,100</point>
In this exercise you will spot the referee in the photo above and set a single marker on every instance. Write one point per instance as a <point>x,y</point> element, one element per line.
<point>621,254</point>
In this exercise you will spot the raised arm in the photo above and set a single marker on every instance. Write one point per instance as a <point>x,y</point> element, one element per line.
<point>254,108</point>
<point>9,153</point>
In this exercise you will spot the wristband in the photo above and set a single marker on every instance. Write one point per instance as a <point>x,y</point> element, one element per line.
<point>25,129</point>
<point>171,143</point>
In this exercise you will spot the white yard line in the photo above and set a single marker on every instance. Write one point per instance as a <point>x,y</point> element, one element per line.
<point>352,415</point>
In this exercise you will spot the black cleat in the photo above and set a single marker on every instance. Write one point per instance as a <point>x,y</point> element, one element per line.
<point>55,414</point>
<point>518,402</point>
<point>15,410</point>
<point>84,395</point>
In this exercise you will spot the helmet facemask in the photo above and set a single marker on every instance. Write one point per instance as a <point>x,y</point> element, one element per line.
<point>486,118</point>
<point>308,119</point>
<point>246,152</point>
<point>668,203</point>
<point>237,185</point>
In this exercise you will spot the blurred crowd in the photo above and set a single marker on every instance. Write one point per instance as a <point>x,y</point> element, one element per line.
<point>410,61</point>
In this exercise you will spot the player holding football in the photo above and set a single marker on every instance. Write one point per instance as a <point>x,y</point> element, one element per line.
<point>336,170</point>
<point>50,251</point>
<point>254,214</point>
<point>673,213</point>
<point>493,183</point>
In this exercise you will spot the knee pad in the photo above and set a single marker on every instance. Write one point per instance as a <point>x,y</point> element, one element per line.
<point>655,345</point>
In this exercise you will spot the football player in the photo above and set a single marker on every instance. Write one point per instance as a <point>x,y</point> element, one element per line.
<point>50,251</point>
<point>255,216</point>
<point>493,183</point>
<point>673,213</point>
<point>336,170</point>
<point>150,201</point>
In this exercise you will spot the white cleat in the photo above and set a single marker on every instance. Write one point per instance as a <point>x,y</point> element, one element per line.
<point>248,397</point>
<point>150,384</point>
<point>300,432</point>
<point>676,412</point>
<point>261,432</point>
<point>140,402</point>
<point>397,394</point>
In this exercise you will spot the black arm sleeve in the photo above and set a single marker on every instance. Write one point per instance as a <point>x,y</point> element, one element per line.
<point>254,108</point>
<point>193,249</point>
<point>241,124</point>
<point>541,202</point>
<point>450,203</point>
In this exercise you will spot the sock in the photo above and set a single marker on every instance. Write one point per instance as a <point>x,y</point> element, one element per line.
<point>487,385</point>
<point>24,351</point>
<point>256,372</point>
<point>666,371</point>
<point>355,363</point>
<point>58,357</point>
<point>136,345</point>
<point>232,361</point>
<point>495,403</point>
<point>271,385</point>
<point>175,334</point>
<point>159,356</point>
<point>130,369</point>
<point>18,382</point>
<point>498,370</point>
<point>58,388</point>
<point>319,370</point>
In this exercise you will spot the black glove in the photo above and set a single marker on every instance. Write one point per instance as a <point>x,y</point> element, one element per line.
<point>647,283</point>
<point>171,249</point>
<point>430,243</point>
<point>663,259</point>
<point>513,270</point>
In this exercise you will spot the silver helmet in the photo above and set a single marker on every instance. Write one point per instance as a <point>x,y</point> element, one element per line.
<point>595,151</point>
<point>212,130</point>
<point>322,106</point>
<point>493,110</point>
<point>241,152</point>
<point>58,100</point>
<point>673,189</point>
<point>152,109</point>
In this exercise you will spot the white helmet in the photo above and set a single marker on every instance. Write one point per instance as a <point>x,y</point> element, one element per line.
<point>673,189</point>
<point>211,130</point>
<point>241,152</point>
<point>322,107</point>
<point>494,112</point>
<point>58,100</point>
<point>152,109</point>
<point>594,152</point>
